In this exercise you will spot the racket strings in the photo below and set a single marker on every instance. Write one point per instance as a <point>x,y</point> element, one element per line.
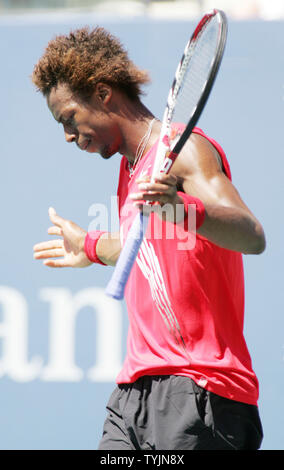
<point>194,72</point>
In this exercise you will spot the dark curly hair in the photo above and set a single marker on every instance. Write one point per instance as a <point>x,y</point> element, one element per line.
<point>84,58</point>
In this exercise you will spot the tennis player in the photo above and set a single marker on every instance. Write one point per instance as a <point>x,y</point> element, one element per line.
<point>187,381</point>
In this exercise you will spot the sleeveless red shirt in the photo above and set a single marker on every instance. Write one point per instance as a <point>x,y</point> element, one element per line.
<point>185,301</point>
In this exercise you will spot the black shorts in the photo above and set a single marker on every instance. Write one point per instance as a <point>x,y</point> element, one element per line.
<point>173,413</point>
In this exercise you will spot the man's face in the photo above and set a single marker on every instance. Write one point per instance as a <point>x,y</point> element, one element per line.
<point>88,124</point>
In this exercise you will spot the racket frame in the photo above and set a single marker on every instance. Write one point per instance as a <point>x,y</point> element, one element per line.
<point>163,164</point>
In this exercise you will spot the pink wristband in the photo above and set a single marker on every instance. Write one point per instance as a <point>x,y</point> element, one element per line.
<point>90,246</point>
<point>200,209</point>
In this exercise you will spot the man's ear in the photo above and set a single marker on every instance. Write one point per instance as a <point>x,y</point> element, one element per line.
<point>103,92</point>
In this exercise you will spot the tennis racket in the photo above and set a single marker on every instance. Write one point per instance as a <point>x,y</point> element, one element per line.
<point>191,87</point>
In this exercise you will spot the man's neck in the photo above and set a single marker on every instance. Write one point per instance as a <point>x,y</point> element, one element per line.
<point>140,132</point>
<point>136,125</point>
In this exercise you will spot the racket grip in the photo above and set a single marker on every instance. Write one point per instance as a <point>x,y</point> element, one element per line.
<point>117,283</point>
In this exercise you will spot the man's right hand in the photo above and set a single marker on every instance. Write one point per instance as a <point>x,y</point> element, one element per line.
<point>68,250</point>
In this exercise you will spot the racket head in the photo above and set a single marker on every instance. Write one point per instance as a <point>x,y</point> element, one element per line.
<point>191,87</point>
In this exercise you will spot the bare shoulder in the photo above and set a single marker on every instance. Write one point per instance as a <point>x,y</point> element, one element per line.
<point>198,156</point>
<point>199,172</point>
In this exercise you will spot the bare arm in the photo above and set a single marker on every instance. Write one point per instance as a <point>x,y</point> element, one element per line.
<point>228,221</point>
<point>68,251</point>
<point>109,248</point>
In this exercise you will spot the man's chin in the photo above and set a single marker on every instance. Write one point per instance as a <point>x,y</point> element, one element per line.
<point>107,153</point>
<point>91,149</point>
<point>106,156</point>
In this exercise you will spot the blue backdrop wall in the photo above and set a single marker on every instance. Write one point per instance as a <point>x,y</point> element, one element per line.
<point>57,364</point>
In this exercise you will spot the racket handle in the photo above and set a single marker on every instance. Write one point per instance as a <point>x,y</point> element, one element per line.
<point>117,283</point>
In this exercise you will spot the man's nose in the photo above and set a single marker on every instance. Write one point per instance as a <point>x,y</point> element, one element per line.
<point>70,137</point>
